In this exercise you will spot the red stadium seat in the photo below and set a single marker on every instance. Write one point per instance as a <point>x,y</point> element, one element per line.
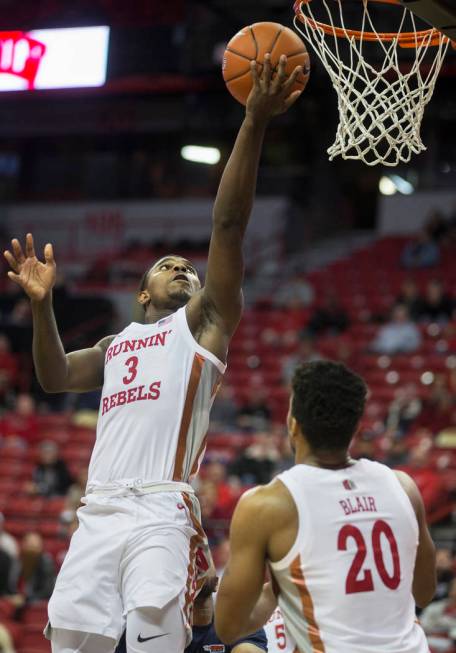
<point>53,507</point>
<point>24,507</point>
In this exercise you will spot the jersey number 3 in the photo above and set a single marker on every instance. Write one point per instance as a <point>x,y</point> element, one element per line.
<point>132,364</point>
<point>364,583</point>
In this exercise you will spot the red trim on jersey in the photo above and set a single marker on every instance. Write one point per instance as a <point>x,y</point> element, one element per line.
<point>299,582</point>
<point>195,376</point>
<point>195,580</point>
<point>198,456</point>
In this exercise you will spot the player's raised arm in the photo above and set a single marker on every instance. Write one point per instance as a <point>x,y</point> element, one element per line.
<point>270,96</point>
<point>57,372</point>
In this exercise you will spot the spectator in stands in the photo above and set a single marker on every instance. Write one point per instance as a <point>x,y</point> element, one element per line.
<point>399,336</point>
<point>227,495</point>
<point>444,563</point>
<point>255,413</point>
<point>215,520</point>
<point>427,478</point>
<point>9,368</point>
<point>257,464</point>
<point>306,353</point>
<point>224,412</point>
<point>51,476</point>
<point>8,543</point>
<point>21,314</point>
<point>436,225</point>
<point>423,252</point>
<point>36,575</point>
<point>396,452</point>
<point>329,318</point>
<point>20,425</point>
<point>403,410</point>
<point>411,298</point>
<point>294,293</point>
<point>437,306</point>
<point>76,491</point>
<point>439,408</point>
<point>439,621</point>
<point>6,574</point>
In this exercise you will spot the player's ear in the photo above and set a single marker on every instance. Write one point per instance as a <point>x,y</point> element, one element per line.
<point>293,428</point>
<point>143,297</point>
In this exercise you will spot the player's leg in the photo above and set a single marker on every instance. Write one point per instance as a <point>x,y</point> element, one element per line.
<point>73,641</point>
<point>158,566</point>
<point>156,630</point>
<point>86,596</point>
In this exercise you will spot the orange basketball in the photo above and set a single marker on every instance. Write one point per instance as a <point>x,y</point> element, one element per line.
<point>254,42</point>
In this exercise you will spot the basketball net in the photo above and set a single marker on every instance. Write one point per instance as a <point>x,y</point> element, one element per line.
<point>380,107</point>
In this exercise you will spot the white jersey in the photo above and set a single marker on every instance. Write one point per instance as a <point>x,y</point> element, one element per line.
<point>159,386</point>
<point>279,640</point>
<point>346,584</point>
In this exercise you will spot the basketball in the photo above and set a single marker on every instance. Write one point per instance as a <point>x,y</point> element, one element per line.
<point>253,43</point>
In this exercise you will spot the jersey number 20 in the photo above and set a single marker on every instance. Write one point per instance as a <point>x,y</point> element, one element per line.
<point>364,583</point>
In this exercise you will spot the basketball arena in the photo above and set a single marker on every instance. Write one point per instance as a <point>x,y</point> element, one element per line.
<point>132,137</point>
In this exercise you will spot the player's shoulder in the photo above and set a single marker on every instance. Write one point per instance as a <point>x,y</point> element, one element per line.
<point>104,343</point>
<point>272,502</point>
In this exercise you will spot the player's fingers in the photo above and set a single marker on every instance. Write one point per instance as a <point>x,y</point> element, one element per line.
<point>49,254</point>
<point>266,75</point>
<point>255,75</point>
<point>29,246</point>
<point>291,99</point>
<point>291,80</point>
<point>15,277</point>
<point>11,260</point>
<point>17,250</point>
<point>281,72</point>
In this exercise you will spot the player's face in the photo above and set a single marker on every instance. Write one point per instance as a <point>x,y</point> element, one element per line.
<point>171,283</point>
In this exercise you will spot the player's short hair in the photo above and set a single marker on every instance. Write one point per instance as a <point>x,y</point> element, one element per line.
<point>328,402</point>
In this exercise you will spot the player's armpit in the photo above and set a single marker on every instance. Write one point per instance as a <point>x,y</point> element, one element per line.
<point>424,577</point>
<point>85,369</point>
<point>242,582</point>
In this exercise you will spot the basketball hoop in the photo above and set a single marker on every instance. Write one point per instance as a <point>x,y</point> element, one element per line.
<point>380,105</point>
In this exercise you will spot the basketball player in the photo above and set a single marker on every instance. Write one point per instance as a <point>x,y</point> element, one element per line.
<point>345,540</point>
<point>159,380</point>
<point>279,640</point>
<point>204,637</point>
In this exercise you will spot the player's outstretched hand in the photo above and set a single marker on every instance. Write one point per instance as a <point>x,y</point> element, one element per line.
<point>271,95</point>
<point>35,277</point>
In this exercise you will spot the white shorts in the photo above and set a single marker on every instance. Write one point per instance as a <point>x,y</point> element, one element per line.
<point>129,552</point>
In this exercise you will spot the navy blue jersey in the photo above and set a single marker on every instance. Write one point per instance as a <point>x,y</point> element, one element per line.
<point>205,640</point>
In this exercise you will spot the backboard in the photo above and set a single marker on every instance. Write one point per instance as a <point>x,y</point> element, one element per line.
<point>439,13</point>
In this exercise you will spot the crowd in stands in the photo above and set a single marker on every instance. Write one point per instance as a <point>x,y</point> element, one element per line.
<point>402,339</point>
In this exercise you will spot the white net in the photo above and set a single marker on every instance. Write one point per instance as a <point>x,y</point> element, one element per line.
<point>380,104</point>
